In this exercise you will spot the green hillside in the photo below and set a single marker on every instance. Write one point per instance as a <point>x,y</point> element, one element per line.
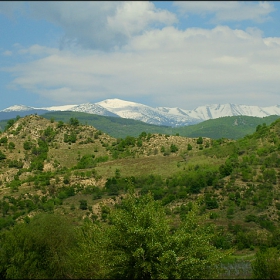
<point>79,203</point>
<point>225,127</point>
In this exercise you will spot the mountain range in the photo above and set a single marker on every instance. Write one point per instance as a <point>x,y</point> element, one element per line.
<point>167,116</point>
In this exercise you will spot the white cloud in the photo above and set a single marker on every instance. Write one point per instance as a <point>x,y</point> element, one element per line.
<point>134,17</point>
<point>98,24</point>
<point>37,50</point>
<point>228,10</point>
<point>169,66</point>
<point>7,53</point>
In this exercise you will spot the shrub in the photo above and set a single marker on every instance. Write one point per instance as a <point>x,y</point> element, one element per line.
<point>2,156</point>
<point>83,204</point>
<point>27,145</point>
<point>267,264</point>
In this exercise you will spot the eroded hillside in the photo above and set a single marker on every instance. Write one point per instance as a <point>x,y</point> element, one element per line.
<point>42,158</point>
<point>73,169</point>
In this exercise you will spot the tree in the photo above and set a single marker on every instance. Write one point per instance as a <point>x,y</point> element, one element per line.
<point>74,121</point>
<point>173,148</point>
<point>10,123</point>
<point>199,140</point>
<point>267,264</point>
<point>89,258</point>
<point>38,249</point>
<point>60,124</point>
<point>140,244</point>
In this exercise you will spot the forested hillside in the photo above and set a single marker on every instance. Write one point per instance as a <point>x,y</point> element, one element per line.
<point>78,203</point>
<point>225,127</point>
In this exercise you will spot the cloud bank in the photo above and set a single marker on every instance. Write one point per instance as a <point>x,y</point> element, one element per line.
<point>132,49</point>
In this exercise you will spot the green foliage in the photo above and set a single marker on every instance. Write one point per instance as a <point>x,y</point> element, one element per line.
<point>49,133</point>
<point>199,140</point>
<point>140,244</point>
<point>173,148</point>
<point>74,122</point>
<point>195,179</point>
<point>269,175</point>
<point>86,161</point>
<point>10,123</point>
<point>70,138</point>
<point>267,264</point>
<point>4,140</point>
<point>40,154</point>
<point>27,145</point>
<point>15,163</point>
<point>6,222</point>
<point>11,145</point>
<point>225,169</point>
<point>83,204</point>
<point>2,155</point>
<point>60,124</point>
<point>38,249</point>
<point>211,202</point>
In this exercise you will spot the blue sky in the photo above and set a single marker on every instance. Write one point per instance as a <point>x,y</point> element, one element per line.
<point>162,53</point>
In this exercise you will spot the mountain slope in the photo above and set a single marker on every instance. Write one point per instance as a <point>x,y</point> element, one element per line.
<point>80,172</point>
<point>225,127</point>
<point>159,116</point>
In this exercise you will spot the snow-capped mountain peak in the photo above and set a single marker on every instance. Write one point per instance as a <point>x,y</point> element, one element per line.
<point>18,108</point>
<point>116,103</point>
<point>159,115</point>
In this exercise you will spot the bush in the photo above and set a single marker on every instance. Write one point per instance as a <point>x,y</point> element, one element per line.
<point>173,148</point>
<point>267,264</point>
<point>83,204</point>
<point>199,140</point>
<point>27,145</point>
<point>87,161</point>
<point>11,145</point>
<point>4,140</point>
<point>74,122</point>
<point>2,156</point>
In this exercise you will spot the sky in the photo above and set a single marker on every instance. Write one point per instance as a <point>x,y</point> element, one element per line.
<point>175,54</point>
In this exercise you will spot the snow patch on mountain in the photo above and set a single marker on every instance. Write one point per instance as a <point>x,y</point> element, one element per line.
<point>17,108</point>
<point>93,109</point>
<point>59,108</point>
<point>159,115</point>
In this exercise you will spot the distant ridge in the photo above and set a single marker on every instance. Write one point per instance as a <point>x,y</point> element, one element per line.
<point>173,117</point>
